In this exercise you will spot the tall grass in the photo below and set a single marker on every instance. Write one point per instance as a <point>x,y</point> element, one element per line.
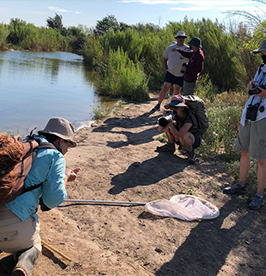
<point>123,78</point>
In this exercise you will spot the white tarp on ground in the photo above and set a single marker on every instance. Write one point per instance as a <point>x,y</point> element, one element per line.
<point>185,207</point>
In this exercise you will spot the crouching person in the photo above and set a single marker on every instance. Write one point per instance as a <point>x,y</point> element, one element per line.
<point>181,127</point>
<point>19,225</point>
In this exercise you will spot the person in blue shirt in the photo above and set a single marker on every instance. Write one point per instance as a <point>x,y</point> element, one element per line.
<point>19,224</point>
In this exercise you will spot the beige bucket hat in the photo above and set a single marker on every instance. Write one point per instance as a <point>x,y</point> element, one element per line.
<point>61,128</point>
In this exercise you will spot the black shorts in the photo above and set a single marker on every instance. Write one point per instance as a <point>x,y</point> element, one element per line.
<point>197,141</point>
<point>173,79</point>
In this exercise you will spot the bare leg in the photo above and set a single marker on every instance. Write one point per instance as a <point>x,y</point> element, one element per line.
<point>177,89</point>
<point>261,177</point>
<point>187,141</point>
<point>164,91</point>
<point>170,137</point>
<point>244,167</point>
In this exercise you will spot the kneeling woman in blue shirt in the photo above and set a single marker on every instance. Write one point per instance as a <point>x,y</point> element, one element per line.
<point>19,224</point>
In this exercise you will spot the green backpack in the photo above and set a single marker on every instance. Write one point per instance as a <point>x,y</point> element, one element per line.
<point>197,106</point>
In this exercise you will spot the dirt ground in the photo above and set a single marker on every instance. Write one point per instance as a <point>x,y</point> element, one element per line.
<point>119,163</point>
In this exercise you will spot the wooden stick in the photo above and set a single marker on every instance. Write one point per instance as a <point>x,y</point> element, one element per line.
<point>104,202</point>
<point>55,250</point>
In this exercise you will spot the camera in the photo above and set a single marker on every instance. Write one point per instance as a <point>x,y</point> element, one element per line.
<point>252,111</point>
<point>184,65</point>
<point>255,90</point>
<point>164,121</point>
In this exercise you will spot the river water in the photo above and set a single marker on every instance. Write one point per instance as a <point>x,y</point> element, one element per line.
<point>36,86</point>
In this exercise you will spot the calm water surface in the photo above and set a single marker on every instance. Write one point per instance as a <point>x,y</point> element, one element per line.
<point>37,86</point>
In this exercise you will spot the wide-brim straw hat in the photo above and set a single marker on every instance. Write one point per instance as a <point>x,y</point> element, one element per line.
<point>61,128</point>
<point>262,47</point>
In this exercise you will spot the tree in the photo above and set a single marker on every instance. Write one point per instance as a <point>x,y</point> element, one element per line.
<point>55,23</point>
<point>106,24</point>
<point>77,37</point>
<point>16,27</point>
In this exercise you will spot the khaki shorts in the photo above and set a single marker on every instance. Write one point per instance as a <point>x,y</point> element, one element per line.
<point>17,235</point>
<point>188,88</point>
<point>251,138</point>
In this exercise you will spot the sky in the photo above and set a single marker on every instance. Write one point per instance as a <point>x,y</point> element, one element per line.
<point>158,12</point>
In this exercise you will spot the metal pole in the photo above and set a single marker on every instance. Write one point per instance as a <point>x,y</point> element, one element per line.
<point>104,202</point>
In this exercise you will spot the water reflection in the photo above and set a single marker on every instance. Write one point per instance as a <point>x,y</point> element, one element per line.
<point>37,86</point>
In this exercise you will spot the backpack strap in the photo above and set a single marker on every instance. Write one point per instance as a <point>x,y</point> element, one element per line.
<point>42,145</point>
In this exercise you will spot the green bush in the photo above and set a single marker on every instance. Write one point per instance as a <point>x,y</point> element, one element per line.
<point>123,78</point>
<point>4,32</point>
<point>223,126</point>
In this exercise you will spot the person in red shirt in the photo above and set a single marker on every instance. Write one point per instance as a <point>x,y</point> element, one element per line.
<point>194,67</point>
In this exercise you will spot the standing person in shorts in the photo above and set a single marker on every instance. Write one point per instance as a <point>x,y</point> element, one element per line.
<point>19,224</point>
<point>251,139</point>
<point>173,62</point>
<point>194,67</point>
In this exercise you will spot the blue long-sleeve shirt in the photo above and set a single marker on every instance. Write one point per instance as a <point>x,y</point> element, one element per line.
<point>48,168</point>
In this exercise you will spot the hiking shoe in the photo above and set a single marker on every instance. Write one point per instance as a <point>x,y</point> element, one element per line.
<point>169,147</point>
<point>235,189</point>
<point>156,108</point>
<point>191,156</point>
<point>256,203</point>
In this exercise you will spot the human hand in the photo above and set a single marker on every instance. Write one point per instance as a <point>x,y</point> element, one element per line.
<point>250,85</point>
<point>170,122</point>
<point>183,69</point>
<point>263,92</point>
<point>72,174</point>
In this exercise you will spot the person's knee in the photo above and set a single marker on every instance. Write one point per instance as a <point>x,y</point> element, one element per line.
<point>166,85</point>
<point>187,141</point>
<point>261,162</point>
<point>244,154</point>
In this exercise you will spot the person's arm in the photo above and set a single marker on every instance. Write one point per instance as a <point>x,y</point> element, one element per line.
<point>165,64</point>
<point>54,186</point>
<point>181,132</point>
<point>184,53</point>
<point>263,92</point>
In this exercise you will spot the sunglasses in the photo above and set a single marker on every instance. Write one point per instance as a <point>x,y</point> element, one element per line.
<point>182,37</point>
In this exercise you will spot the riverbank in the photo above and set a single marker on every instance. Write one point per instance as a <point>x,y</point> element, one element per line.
<point>119,163</point>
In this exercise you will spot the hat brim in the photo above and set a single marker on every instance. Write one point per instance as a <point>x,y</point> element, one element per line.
<point>257,51</point>
<point>73,144</point>
<point>184,36</point>
<point>198,46</point>
<point>177,104</point>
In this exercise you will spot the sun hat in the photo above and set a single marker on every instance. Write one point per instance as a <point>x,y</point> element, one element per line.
<point>177,103</point>
<point>60,127</point>
<point>178,98</point>
<point>262,47</point>
<point>181,33</point>
<point>195,41</point>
